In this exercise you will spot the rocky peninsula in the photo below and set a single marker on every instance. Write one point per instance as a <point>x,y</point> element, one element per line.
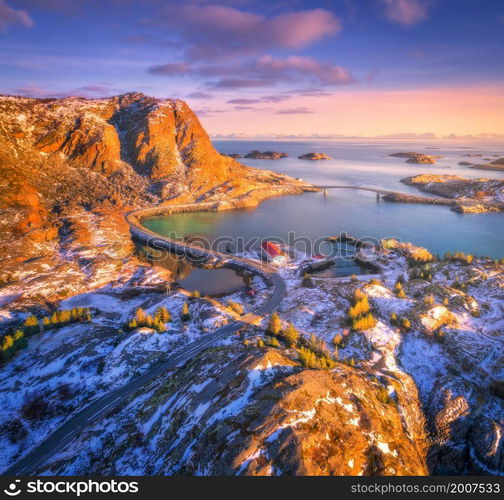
<point>461,194</point>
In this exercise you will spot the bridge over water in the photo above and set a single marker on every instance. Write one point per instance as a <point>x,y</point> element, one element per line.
<point>374,190</point>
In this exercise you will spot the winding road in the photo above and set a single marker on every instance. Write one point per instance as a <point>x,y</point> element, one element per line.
<point>56,441</point>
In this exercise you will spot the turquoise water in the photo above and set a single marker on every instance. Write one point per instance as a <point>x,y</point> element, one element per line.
<point>364,163</point>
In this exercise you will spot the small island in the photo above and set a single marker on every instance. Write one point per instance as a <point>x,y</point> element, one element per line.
<point>314,156</point>
<point>418,158</point>
<point>266,155</point>
<point>493,165</point>
<point>235,156</point>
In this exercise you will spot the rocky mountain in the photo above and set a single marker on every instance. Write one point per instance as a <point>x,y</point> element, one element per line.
<point>70,168</point>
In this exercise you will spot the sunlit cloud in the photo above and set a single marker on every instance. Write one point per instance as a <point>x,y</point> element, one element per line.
<point>219,32</point>
<point>406,12</point>
<point>10,16</point>
<point>261,71</point>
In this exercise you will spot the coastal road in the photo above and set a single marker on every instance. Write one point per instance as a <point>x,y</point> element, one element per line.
<point>56,441</point>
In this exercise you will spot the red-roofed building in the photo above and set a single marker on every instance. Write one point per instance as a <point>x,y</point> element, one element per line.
<point>272,251</point>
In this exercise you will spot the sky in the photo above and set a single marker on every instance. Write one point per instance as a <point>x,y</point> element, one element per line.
<point>254,67</point>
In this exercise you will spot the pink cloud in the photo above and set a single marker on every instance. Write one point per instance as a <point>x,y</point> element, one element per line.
<point>298,65</point>
<point>406,12</point>
<point>213,31</point>
<point>294,111</point>
<point>168,69</point>
<point>260,72</point>
<point>244,101</point>
<point>89,91</point>
<point>10,16</point>
<point>199,95</point>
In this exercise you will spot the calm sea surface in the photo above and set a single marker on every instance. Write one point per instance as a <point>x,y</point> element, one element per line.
<point>363,163</point>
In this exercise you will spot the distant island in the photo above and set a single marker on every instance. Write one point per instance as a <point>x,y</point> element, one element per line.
<point>314,156</point>
<point>416,157</point>
<point>266,155</point>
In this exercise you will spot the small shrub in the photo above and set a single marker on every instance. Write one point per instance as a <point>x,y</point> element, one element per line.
<point>35,408</point>
<point>383,396</point>
<point>497,388</point>
<point>236,307</point>
<point>15,430</point>
<point>312,360</point>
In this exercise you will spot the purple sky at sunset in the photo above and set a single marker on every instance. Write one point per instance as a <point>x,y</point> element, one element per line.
<point>350,67</point>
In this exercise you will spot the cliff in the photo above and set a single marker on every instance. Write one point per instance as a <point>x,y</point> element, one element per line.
<point>72,167</point>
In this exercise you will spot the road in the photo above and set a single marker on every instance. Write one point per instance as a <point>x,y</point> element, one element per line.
<point>90,414</point>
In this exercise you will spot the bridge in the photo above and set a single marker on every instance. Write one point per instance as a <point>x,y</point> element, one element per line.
<point>374,190</point>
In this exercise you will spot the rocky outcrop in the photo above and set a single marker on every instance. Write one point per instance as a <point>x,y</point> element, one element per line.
<point>423,159</point>
<point>488,166</point>
<point>462,194</point>
<point>251,411</point>
<point>266,155</point>
<point>453,186</point>
<point>314,156</point>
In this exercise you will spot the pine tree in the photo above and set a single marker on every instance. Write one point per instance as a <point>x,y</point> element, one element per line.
<point>149,321</point>
<point>46,323</point>
<point>291,335</point>
<point>273,342</point>
<point>159,326</point>
<point>31,325</point>
<point>74,314</point>
<point>275,324</point>
<point>54,318</point>
<point>7,347</point>
<point>163,314</point>
<point>405,324</point>
<point>140,316</point>
<point>337,340</point>
<point>196,294</point>
<point>19,340</point>
<point>132,324</point>
<point>185,315</point>
<point>393,319</point>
